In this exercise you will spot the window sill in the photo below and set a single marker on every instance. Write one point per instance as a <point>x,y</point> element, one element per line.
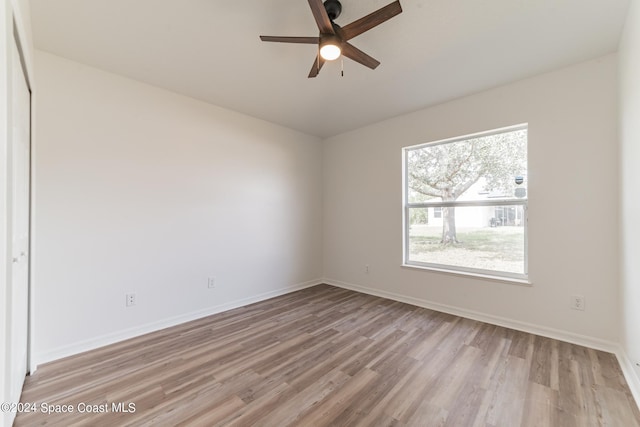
<point>511,280</point>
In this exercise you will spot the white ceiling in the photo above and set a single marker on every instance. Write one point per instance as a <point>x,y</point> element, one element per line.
<point>434,51</point>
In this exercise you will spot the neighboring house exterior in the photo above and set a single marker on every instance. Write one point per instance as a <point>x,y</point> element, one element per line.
<point>480,216</point>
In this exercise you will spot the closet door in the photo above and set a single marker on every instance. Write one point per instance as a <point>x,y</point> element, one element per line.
<point>20,150</point>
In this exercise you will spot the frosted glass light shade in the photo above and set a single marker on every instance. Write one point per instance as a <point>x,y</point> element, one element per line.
<point>330,52</point>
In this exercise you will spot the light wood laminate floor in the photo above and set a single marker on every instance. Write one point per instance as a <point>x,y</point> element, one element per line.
<point>325,356</point>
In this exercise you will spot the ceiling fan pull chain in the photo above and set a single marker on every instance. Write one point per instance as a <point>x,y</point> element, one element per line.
<point>341,66</point>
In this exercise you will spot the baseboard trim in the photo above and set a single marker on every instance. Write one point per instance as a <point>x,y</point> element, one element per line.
<point>630,373</point>
<point>628,370</point>
<point>626,364</point>
<point>583,340</point>
<point>112,338</point>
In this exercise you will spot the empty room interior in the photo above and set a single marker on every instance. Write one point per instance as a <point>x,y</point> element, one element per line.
<point>207,219</point>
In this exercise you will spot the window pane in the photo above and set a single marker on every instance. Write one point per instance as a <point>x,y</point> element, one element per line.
<point>480,237</point>
<point>485,167</point>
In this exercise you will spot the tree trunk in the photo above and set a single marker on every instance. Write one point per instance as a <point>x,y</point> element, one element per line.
<point>449,226</point>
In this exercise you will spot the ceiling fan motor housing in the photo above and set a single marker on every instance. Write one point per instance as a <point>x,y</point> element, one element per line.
<point>333,8</point>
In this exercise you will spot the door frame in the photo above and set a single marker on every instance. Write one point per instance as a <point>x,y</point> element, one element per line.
<point>14,31</point>
<point>25,73</point>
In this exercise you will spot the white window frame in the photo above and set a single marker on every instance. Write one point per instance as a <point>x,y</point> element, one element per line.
<point>522,278</point>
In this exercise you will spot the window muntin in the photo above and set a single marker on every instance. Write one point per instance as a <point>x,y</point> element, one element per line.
<point>466,203</point>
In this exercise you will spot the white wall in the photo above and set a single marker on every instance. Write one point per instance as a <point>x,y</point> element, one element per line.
<point>142,190</point>
<point>630,181</point>
<point>573,160</point>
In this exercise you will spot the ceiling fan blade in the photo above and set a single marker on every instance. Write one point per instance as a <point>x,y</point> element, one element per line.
<point>284,39</point>
<point>371,20</point>
<point>317,65</point>
<point>321,17</point>
<point>352,52</point>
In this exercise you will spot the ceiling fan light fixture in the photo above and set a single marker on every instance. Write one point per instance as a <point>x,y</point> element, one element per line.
<point>330,48</point>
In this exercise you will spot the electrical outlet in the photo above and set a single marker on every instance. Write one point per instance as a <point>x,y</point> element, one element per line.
<point>131,300</point>
<point>366,268</point>
<point>211,282</point>
<point>577,302</point>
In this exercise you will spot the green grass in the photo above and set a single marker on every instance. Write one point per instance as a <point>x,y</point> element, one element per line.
<point>506,243</point>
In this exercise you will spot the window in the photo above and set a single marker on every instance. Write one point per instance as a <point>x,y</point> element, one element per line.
<point>465,204</point>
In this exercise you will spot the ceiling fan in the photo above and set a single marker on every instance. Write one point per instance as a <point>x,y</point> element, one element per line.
<point>333,40</point>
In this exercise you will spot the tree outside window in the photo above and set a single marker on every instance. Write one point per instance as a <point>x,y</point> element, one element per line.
<point>474,193</point>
